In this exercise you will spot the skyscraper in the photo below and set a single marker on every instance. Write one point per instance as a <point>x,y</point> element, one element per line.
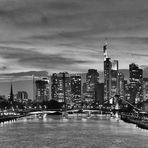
<point>99,93</point>
<point>76,88</point>
<point>61,89</point>
<point>145,89</point>
<point>92,78</point>
<point>115,65</point>
<point>107,74</point>
<point>22,96</point>
<point>136,83</point>
<point>54,86</point>
<point>121,85</point>
<point>42,90</point>
<point>114,78</point>
<point>127,90</point>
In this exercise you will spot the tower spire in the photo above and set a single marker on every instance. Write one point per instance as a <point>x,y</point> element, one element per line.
<point>105,51</point>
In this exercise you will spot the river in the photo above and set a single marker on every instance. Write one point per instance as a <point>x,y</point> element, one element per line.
<point>53,132</point>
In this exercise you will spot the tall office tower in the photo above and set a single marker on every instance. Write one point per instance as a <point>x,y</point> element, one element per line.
<point>83,80</point>
<point>126,90</point>
<point>61,87</point>
<point>114,79</point>
<point>136,83</point>
<point>115,65</point>
<point>54,86</point>
<point>76,88</point>
<point>84,93</point>
<point>42,90</point>
<point>121,86</point>
<point>99,93</point>
<point>107,75</point>
<point>50,87</point>
<point>22,96</point>
<point>145,89</point>
<point>92,78</point>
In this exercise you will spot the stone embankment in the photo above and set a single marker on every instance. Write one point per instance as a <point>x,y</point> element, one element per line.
<point>140,122</point>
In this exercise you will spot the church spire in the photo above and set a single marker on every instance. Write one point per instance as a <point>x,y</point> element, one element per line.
<point>11,94</point>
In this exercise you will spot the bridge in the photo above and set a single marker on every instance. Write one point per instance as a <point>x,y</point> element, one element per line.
<point>100,109</point>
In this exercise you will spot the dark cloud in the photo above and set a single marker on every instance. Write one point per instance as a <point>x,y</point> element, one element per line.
<point>38,13</point>
<point>14,52</point>
<point>65,5</point>
<point>21,75</point>
<point>68,35</point>
<point>134,40</point>
<point>4,67</point>
<point>30,58</point>
<point>139,54</point>
<point>77,25</point>
<point>49,60</point>
<point>18,42</point>
<point>96,14</point>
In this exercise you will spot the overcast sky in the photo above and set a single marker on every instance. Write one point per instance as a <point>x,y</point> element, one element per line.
<point>68,35</point>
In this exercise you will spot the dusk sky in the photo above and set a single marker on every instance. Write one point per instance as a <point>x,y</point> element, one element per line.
<point>68,35</point>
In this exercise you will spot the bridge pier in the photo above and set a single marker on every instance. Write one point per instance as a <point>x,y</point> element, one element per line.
<point>65,115</point>
<point>117,107</point>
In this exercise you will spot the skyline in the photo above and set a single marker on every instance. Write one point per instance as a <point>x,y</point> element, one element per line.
<point>69,35</point>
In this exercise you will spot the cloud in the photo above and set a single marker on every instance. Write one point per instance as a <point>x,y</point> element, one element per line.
<point>65,13</point>
<point>139,55</point>
<point>58,34</point>
<point>32,59</point>
<point>37,13</point>
<point>63,35</point>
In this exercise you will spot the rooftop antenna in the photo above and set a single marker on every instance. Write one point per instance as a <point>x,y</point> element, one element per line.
<point>105,49</point>
<point>106,41</point>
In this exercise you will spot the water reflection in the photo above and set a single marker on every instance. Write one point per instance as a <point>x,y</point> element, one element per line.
<point>54,132</point>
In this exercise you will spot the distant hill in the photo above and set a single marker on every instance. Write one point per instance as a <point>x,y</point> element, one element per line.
<point>29,73</point>
<point>45,74</point>
<point>126,73</point>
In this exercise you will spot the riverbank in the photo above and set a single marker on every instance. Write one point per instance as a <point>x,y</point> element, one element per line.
<point>5,118</point>
<point>139,123</point>
<point>8,118</point>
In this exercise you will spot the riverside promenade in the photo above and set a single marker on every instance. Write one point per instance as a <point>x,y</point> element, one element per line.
<point>141,121</point>
<point>9,116</point>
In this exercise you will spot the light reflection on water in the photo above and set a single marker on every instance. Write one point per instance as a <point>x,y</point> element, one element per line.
<point>54,132</point>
